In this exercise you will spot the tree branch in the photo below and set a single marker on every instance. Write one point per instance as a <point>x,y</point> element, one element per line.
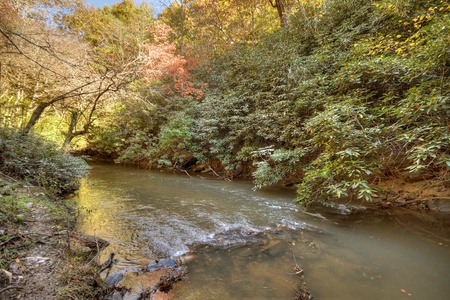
<point>41,107</point>
<point>28,57</point>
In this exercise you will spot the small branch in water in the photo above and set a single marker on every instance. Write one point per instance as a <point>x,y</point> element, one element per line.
<point>298,271</point>
<point>214,172</point>
<point>108,263</point>
<point>96,256</point>
<point>187,173</point>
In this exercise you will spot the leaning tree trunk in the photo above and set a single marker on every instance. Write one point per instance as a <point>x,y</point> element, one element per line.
<point>42,106</point>
<point>35,117</point>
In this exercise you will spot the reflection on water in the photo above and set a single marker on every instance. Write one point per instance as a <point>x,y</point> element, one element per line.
<point>238,254</point>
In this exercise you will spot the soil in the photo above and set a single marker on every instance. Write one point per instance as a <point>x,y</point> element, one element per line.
<point>41,257</point>
<point>424,195</point>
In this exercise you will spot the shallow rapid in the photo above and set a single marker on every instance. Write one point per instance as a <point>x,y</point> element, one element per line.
<point>246,243</point>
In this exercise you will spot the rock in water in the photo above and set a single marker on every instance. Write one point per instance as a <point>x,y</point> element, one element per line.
<point>159,276</point>
<point>163,263</point>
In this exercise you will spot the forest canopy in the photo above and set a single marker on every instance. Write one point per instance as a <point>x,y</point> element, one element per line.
<point>331,96</point>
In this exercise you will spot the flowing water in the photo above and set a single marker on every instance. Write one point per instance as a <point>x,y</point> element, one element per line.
<point>245,243</point>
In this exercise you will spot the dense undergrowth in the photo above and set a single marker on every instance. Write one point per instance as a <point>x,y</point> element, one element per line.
<point>40,162</point>
<point>345,96</point>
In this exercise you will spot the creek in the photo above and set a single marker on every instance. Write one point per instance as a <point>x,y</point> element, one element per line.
<point>245,243</point>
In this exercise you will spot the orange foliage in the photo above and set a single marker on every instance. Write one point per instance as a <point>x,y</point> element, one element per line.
<point>163,63</point>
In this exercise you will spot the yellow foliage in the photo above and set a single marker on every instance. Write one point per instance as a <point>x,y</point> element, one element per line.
<point>410,35</point>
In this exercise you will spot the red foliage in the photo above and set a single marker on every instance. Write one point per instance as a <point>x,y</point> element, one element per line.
<point>163,63</point>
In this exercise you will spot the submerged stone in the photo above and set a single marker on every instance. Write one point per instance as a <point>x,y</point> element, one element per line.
<point>162,263</point>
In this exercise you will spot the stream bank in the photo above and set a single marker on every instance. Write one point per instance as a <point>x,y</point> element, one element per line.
<point>41,256</point>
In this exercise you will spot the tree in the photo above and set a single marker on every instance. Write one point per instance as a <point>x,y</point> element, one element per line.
<point>212,27</point>
<point>38,65</point>
<point>161,62</point>
<point>102,60</point>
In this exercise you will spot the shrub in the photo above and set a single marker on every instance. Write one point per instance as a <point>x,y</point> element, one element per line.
<point>40,162</point>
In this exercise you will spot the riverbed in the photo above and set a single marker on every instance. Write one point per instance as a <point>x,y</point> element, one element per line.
<point>246,244</point>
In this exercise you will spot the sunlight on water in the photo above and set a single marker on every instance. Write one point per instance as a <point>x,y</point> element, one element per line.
<point>242,252</point>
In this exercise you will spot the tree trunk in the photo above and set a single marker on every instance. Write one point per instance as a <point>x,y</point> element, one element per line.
<point>70,130</point>
<point>42,106</point>
<point>71,133</point>
<point>279,5</point>
<point>35,116</point>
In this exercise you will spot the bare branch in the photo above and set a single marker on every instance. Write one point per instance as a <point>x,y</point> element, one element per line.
<point>26,56</point>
